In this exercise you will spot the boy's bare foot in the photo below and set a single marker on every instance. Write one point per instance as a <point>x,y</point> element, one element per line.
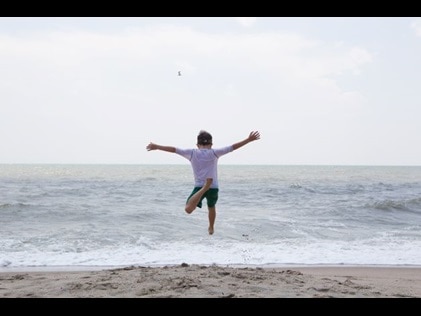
<point>210,230</point>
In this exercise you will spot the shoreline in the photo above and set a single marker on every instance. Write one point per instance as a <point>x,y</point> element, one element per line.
<point>81,268</point>
<point>218,281</point>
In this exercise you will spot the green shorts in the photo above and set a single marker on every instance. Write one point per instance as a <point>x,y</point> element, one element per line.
<point>211,196</point>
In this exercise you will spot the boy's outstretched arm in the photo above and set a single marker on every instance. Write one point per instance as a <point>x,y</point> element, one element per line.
<point>153,146</point>
<point>255,135</point>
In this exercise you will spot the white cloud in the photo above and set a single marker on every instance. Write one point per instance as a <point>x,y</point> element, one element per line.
<point>246,21</point>
<point>93,79</point>
<point>100,96</point>
<point>416,25</point>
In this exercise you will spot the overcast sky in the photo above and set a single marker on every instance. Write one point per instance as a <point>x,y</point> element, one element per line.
<point>343,91</point>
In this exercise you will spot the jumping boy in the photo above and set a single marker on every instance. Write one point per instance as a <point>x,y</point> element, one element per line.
<point>204,162</point>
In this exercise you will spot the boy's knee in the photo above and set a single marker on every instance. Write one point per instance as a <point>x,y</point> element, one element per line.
<point>189,210</point>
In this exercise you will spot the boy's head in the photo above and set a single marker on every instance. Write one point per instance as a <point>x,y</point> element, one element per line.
<point>204,138</point>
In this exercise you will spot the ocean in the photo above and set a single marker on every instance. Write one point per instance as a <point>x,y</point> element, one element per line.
<point>95,216</point>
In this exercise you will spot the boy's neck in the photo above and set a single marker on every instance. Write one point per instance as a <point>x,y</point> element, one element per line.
<point>204,146</point>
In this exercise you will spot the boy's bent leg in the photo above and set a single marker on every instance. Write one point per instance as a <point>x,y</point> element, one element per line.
<point>195,198</point>
<point>212,216</point>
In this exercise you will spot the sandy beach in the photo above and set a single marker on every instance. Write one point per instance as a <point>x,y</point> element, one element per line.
<point>199,281</point>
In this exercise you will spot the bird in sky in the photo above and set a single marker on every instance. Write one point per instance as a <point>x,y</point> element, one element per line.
<point>179,73</point>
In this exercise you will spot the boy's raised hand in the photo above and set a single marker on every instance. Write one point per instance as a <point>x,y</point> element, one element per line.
<point>254,135</point>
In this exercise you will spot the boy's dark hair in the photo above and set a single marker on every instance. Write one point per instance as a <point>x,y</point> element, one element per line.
<point>204,138</point>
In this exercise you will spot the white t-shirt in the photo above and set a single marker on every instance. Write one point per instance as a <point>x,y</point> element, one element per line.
<point>204,163</point>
